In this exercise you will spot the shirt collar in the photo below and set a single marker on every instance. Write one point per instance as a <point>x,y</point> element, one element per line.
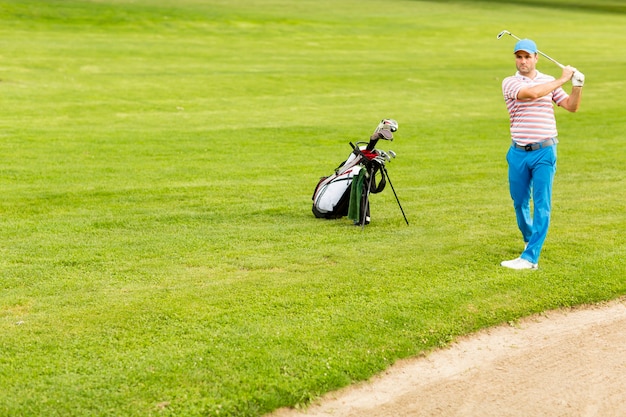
<point>537,75</point>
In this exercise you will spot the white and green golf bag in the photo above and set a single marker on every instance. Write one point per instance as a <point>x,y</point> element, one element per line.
<point>346,192</point>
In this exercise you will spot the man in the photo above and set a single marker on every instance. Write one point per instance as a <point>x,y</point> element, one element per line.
<point>529,96</point>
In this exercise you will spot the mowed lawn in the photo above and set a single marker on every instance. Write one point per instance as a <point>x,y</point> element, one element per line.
<point>158,254</point>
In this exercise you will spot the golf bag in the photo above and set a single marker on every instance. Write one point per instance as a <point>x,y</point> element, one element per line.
<point>346,192</point>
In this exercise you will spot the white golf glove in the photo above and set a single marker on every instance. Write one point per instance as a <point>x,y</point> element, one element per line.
<point>578,79</point>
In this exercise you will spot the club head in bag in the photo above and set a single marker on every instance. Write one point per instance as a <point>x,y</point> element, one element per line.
<point>385,129</point>
<point>385,156</point>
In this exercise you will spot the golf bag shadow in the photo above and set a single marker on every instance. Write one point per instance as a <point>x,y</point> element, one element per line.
<point>347,191</point>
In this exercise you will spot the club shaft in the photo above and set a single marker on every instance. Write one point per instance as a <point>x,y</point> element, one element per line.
<point>551,59</point>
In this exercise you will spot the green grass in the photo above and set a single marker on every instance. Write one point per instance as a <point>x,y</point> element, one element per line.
<point>158,255</point>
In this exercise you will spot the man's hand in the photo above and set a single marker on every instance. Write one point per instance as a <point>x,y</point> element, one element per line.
<point>568,72</point>
<point>578,79</point>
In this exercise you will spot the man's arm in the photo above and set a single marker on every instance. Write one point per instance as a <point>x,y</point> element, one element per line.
<point>541,90</point>
<point>572,103</point>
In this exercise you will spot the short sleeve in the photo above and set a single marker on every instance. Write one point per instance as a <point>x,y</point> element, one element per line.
<point>510,88</point>
<point>559,95</point>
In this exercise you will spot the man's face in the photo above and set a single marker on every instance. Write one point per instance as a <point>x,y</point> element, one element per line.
<point>525,62</point>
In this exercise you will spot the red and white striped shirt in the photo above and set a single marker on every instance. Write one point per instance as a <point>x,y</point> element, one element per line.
<point>532,121</point>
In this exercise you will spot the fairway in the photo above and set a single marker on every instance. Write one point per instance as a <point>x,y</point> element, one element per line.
<point>158,253</point>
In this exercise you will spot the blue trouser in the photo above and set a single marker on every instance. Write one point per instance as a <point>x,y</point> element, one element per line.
<point>532,171</point>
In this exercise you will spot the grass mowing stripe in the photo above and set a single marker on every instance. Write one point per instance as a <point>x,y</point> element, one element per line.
<point>157,161</point>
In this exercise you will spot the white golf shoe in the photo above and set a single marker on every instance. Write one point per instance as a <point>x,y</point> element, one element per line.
<point>519,263</point>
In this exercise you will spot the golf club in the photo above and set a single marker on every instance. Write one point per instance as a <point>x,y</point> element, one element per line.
<point>506,32</point>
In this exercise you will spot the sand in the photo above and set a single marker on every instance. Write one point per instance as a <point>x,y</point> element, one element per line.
<point>569,362</point>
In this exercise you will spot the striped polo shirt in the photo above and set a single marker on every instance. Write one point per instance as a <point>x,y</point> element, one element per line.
<point>532,121</point>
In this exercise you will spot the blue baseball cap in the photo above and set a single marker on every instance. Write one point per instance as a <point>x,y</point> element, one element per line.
<point>526,45</point>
